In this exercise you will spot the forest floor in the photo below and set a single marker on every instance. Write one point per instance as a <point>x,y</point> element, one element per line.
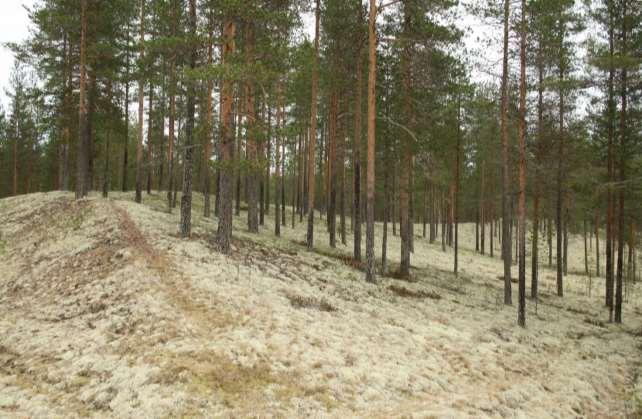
<point>105,311</point>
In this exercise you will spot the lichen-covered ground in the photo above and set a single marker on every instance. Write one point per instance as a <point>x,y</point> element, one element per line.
<point>106,312</point>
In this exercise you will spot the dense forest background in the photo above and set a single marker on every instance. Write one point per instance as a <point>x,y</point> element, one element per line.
<point>375,119</point>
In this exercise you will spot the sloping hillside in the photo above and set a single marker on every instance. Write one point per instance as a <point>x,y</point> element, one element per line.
<point>104,311</point>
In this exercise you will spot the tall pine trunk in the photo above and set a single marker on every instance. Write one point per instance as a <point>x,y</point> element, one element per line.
<point>333,168</point>
<point>621,192</point>
<point>224,232</point>
<point>610,174</point>
<point>521,206</point>
<point>207,149</point>
<point>370,158</point>
<point>559,188</point>
<point>506,238</point>
<point>252,154</point>
<point>536,188</point>
<point>125,180</point>
<point>238,109</point>
<point>456,191</point>
<point>188,159</point>
<point>356,155</point>
<point>150,164</point>
<point>277,165</point>
<point>172,115</point>
<point>313,131</point>
<point>141,98</point>
<point>82,152</point>
<point>405,165</point>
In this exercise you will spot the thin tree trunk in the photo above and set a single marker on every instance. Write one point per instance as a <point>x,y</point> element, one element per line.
<point>565,223</point>
<point>313,130</point>
<point>597,242</point>
<point>268,157</point>
<point>559,204</point>
<point>209,137</point>
<point>15,164</point>
<point>424,212</point>
<point>406,152</point>
<point>492,236</point>
<point>88,137</point>
<point>521,207</point>
<point>393,207</point>
<point>161,131</point>
<point>431,206</point>
<point>125,179</point>
<point>252,153</point>
<point>443,222</point>
<point>586,266</point>
<point>295,188</point>
<point>237,156</point>
<point>342,179</point>
<point>411,206</point>
<point>386,212</point>
<point>141,98</point>
<point>299,176</point>
<point>332,168</point>
<point>172,116</point>
<point>630,264</point>
<point>304,177</point>
<point>456,191</point>
<point>623,138</point>
<point>482,212</point>
<point>188,163</point>
<point>150,164</point>
<point>370,158</point>
<point>356,155</point>
<point>536,197</point>
<point>610,170</point>
<point>81,186</point>
<point>106,179</point>
<point>277,165</point>
<point>550,243</point>
<point>283,140</point>
<point>506,245</point>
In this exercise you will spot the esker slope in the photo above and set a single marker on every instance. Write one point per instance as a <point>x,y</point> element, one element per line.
<point>105,312</point>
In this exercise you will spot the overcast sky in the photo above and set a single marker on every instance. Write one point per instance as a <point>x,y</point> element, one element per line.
<point>14,27</point>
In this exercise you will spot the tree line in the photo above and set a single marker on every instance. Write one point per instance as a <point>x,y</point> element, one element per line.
<point>235,100</point>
